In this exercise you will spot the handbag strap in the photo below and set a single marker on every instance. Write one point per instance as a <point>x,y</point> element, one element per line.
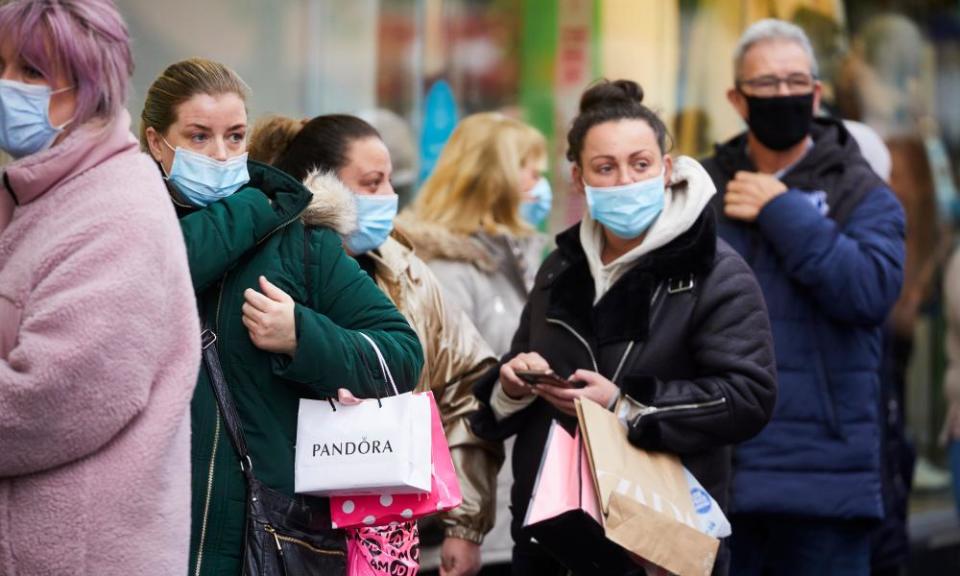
<point>211,359</point>
<point>383,363</point>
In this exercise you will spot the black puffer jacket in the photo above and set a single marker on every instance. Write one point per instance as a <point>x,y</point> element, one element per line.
<point>691,321</point>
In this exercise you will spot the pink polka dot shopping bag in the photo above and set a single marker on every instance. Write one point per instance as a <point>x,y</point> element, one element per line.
<point>365,510</point>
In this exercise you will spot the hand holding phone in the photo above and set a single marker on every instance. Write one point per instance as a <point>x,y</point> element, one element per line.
<point>545,377</point>
<point>584,384</point>
<point>516,387</point>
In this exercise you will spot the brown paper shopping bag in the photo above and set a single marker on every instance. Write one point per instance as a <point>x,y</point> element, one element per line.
<point>644,497</point>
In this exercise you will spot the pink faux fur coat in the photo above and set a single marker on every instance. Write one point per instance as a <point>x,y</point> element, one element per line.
<point>99,353</point>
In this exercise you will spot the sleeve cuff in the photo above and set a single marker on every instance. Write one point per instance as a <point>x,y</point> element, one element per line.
<point>297,368</point>
<point>612,405</point>
<point>306,364</point>
<point>464,533</point>
<point>503,406</point>
<point>789,219</point>
<point>627,409</point>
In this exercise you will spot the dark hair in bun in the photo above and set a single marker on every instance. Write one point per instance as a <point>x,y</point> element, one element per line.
<point>608,101</point>
<point>322,144</point>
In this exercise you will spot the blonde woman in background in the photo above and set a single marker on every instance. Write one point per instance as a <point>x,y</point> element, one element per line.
<point>466,223</point>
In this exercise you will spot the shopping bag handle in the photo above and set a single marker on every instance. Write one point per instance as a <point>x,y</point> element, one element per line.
<point>383,363</point>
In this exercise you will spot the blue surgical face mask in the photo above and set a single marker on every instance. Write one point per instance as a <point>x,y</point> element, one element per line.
<point>375,216</point>
<point>25,127</point>
<point>537,208</point>
<point>201,180</point>
<point>629,210</point>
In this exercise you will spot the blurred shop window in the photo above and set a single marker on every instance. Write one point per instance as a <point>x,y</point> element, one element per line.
<point>830,46</point>
<point>398,56</point>
<point>649,29</point>
<point>473,44</point>
<point>268,43</point>
<point>470,45</point>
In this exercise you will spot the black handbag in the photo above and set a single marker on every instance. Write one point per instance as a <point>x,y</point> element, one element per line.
<point>285,536</point>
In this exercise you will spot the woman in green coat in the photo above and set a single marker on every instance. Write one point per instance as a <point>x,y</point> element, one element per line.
<point>286,302</point>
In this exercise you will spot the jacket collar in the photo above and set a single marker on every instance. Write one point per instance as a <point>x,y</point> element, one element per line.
<point>288,198</point>
<point>393,258</point>
<point>689,191</point>
<point>835,155</point>
<point>833,146</point>
<point>333,206</point>
<point>624,311</point>
<point>435,242</point>
<point>88,146</point>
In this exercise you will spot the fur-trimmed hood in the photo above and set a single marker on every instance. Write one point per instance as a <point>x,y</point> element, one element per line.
<point>434,242</point>
<point>332,204</point>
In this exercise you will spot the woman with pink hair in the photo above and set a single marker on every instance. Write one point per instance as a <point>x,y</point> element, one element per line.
<point>99,338</point>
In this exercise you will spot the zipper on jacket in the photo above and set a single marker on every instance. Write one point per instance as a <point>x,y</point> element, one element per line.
<point>648,410</point>
<point>274,231</point>
<point>216,319</point>
<point>623,360</point>
<point>593,359</point>
<point>206,504</point>
<point>216,433</point>
<point>213,454</point>
<point>655,306</point>
<point>278,538</point>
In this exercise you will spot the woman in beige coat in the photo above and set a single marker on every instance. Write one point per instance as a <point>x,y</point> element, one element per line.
<point>343,161</point>
<point>466,223</point>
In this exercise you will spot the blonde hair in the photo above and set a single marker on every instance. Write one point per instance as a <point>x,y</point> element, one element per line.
<point>181,82</point>
<point>475,185</point>
<point>271,137</point>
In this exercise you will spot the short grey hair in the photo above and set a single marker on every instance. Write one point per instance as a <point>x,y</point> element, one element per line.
<point>773,29</point>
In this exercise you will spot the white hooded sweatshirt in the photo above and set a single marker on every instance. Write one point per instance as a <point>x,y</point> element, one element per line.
<point>688,193</point>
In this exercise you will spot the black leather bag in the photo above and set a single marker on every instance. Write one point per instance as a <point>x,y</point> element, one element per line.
<point>285,536</point>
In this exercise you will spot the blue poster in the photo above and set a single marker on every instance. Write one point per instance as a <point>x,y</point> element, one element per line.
<point>439,120</point>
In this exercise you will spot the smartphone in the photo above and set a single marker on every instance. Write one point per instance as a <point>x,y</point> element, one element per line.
<point>547,377</point>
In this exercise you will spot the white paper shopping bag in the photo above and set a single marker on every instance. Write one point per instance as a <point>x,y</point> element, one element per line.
<point>374,447</point>
<point>364,449</point>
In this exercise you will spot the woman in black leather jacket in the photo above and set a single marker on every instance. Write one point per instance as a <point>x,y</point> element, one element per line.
<point>642,308</point>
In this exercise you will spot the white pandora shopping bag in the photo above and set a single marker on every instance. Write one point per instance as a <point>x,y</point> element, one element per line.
<point>374,447</point>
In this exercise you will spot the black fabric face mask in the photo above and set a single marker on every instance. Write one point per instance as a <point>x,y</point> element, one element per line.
<point>780,122</point>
